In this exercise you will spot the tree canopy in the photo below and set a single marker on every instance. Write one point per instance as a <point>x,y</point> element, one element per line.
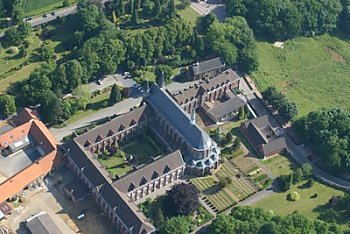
<point>7,105</point>
<point>244,219</point>
<point>328,132</point>
<point>284,19</point>
<point>183,199</point>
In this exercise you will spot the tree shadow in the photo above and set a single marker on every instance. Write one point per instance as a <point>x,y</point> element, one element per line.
<point>338,213</point>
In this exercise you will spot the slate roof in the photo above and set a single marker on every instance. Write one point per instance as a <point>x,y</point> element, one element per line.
<point>124,208</point>
<point>262,134</point>
<point>116,125</point>
<point>205,86</point>
<point>207,66</point>
<point>149,172</point>
<point>85,160</point>
<point>42,224</point>
<point>178,118</point>
<point>222,109</point>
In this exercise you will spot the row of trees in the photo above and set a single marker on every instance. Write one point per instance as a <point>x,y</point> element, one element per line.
<point>284,19</point>
<point>328,132</point>
<point>279,101</point>
<point>244,219</point>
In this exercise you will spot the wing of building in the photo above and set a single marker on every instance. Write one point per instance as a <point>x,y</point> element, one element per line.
<point>28,151</point>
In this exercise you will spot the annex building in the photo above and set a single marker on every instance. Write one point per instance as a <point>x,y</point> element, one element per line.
<point>170,117</point>
<point>28,152</point>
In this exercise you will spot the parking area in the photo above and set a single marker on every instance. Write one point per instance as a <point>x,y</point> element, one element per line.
<point>60,208</point>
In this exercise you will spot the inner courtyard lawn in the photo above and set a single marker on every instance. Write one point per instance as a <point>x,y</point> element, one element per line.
<point>313,72</point>
<point>279,165</point>
<point>115,165</point>
<point>142,148</point>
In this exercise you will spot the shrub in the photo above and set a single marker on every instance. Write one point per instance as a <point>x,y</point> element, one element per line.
<point>12,50</point>
<point>293,196</point>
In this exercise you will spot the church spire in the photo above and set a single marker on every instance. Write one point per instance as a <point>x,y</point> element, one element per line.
<point>193,117</point>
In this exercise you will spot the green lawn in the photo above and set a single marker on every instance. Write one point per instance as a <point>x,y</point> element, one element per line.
<point>10,61</point>
<point>18,76</point>
<point>313,72</point>
<point>39,7</point>
<point>142,148</point>
<point>115,165</point>
<point>278,203</point>
<point>188,14</point>
<point>279,165</point>
<point>96,103</point>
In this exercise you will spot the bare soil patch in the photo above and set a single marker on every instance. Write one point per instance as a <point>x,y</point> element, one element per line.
<point>335,56</point>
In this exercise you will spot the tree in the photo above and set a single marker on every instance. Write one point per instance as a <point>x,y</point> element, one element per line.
<point>298,175</point>
<point>172,9</point>
<point>163,71</point>
<point>175,225</point>
<point>285,182</point>
<point>206,21</point>
<point>115,95</point>
<point>157,8</point>
<point>50,107</point>
<point>17,12</point>
<point>46,53</point>
<point>121,8</point>
<point>158,218</point>
<point>131,6</point>
<point>22,52</point>
<point>7,105</point>
<point>307,170</point>
<point>183,199</point>
<point>224,182</point>
<point>66,3</point>
<point>82,95</point>
<point>75,74</point>
<point>222,224</point>
<point>241,113</point>
<point>135,18</point>
<point>293,196</point>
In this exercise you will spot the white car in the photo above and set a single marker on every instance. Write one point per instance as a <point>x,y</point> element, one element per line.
<point>99,82</point>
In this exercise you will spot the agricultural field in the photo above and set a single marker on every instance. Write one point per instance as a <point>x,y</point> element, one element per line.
<point>313,72</point>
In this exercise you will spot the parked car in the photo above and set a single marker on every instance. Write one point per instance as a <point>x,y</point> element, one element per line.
<point>44,15</point>
<point>53,13</point>
<point>99,82</point>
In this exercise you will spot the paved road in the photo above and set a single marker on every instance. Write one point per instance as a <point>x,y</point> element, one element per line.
<point>118,108</point>
<point>300,153</point>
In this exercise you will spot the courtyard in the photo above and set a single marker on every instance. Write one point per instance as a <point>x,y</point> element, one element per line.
<point>136,151</point>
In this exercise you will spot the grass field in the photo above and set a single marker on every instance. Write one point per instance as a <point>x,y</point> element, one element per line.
<point>39,7</point>
<point>313,72</point>
<point>188,14</point>
<point>278,203</point>
<point>279,165</point>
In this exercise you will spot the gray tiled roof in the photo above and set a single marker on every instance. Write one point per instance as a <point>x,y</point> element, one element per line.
<point>178,118</point>
<point>274,145</point>
<point>43,224</point>
<point>208,65</point>
<point>173,161</point>
<point>125,209</point>
<point>205,86</point>
<point>226,107</point>
<point>137,115</point>
<point>259,129</point>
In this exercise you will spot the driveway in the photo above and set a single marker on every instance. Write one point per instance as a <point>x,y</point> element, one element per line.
<point>109,80</point>
<point>216,6</point>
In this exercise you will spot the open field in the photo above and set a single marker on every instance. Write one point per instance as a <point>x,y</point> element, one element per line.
<point>278,203</point>
<point>313,72</point>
